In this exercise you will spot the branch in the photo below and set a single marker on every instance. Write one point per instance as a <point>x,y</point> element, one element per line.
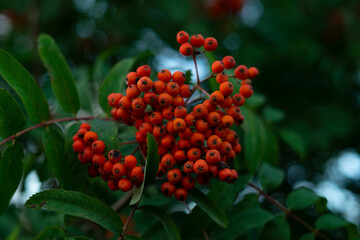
<point>196,69</point>
<point>288,212</point>
<point>128,222</point>
<point>43,124</point>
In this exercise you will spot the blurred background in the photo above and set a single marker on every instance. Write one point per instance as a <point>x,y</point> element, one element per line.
<point>307,94</point>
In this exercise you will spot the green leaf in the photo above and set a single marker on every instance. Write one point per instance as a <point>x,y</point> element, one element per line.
<point>208,206</point>
<point>83,86</point>
<point>62,80</point>
<point>14,234</point>
<point>301,198</point>
<point>132,238</point>
<point>11,170</point>
<point>330,221</point>
<point>77,204</point>
<point>63,167</point>
<point>151,168</point>
<point>273,115</point>
<point>256,101</point>
<point>270,177</point>
<point>114,81</point>
<point>12,118</point>
<point>107,132</point>
<point>25,86</point>
<point>276,229</point>
<point>243,221</point>
<point>168,223</point>
<point>51,232</point>
<point>294,141</point>
<point>308,236</point>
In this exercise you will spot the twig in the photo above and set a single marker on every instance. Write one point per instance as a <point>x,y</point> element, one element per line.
<point>122,201</point>
<point>196,69</point>
<point>129,142</point>
<point>128,222</point>
<point>206,236</point>
<point>43,124</point>
<point>203,90</point>
<point>208,77</point>
<point>135,150</point>
<point>288,212</point>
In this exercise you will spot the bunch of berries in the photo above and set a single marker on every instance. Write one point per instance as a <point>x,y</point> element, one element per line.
<point>195,143</point>
<point>119,173</point>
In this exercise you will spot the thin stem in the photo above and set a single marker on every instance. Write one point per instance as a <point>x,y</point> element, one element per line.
<point>206,236</point>
<point>288,212</point>
<point>135,150</point>
<point>123,200</point>
<point>43,124</point>
<point>129,142</point>
<point>203,90</point>
<point>192,92</point>
<point>196,69</point>
<point>208,77</point>
<point>128,222</point>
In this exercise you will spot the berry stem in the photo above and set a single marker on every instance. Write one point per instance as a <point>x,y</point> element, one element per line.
<point>122,236</point>
<point>203,90</point>
<point>43,124</point>
<point>288,212</point>
<point>135,150</point>
<point>196,69</point>
<point>208,77</point>
<point>122,201</point>
<point>129,142</point>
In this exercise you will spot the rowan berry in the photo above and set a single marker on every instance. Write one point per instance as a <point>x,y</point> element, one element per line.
<point>241,72</point>
<point>86,126</point>
<point>190,119</point>
<point>98,146</point>
<point>217,67</point>
<point>145,128</point>
<point>234,112</point>
<point>123,115</point>
<point>231,136</point>
<point>229,62</point>
<point>90,137</point>
<point>185,91</point>
<point>81,133</point>
<point>174,176</point>
<point>159,131</point>
<point>164,75</point>
<point>125,102</point>
<point>178,101</point>
<point>222,77</point>
<point>208,104</point>
<point>162,150</point>
<point>213,119</point>
<point>180,112</point>
<point>238,99</point>
<point>181,194</point>
<point>168,141</point>
<point>201,125</point>
<point>130,162</point>
<point>87,155</point>
<point>113,99</point>
<point>200,111</point>
<point>92,171</point>
<point>137,175</point>
<point>197,40</point>
<point>210,44</point>
<point>188,167</point>
<point>246,82</point>
<point>203,179</point>
<point>114,156</point>
<point>132,91</point>
<point>125,185</point>
<point>216,97</point>
<point>213,171</point>
<point>173,88</point>
<point>224,174</point>
<point>197,139</point>
<point>168,113</point>
<point>214,142</point>
<point>246,90</point>
<point>225,148</point>
<point>200,166</point>
<point>138,104</point>
<point>208,133</point>
<point>78,146</point>
<point>186,133</point>
<point>131,78</point>
<point>184,144</point>
<point>194,154</point>
<point>188,182</point>
<point>170,127</point>
<point>227,121</point>
<point>237,148</point>
<point>226,88</point>
<point>179,124</point>
<point>168,161</point>
<point>113,185</point>
<point>213,156</point>
<point>179,77</point>
<point>253,72</point>
<point>156,118</point>
<point>182,37</point>
<point>165,99</point>
<point>143,70</point>
<point>144,84</point>
<point>227,103</point>
<point>186,49</point>
<point>108,166</point>
<point>159,87</point>
<point>168,189</point>
<point>98,160</point>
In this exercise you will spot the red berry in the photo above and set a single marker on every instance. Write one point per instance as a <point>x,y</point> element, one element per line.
<point>197,40</point>
<point>182,37</point>
<point>229,62</point>
<point>186,49</point>
<point>210,44</point>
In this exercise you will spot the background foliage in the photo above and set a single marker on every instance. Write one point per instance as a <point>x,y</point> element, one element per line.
<point>300,122</point>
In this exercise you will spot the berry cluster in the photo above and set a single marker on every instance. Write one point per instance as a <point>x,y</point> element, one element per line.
<point>119,173</point>
<point>195,143</point>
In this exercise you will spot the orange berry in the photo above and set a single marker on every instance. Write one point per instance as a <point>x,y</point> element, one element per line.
<point>186,133</point>
<point>184,144</point>
<point>164,75</point>
<point>168,189</point>
<point>217,67</point>
<point>125,185</point>
<point>131,78</point>
<point>224,174</point>
<point>200,111</point>
<point>165,99</point>
<point>113,185</point>
<point>168,141</point>
<point>179,77</point>
<point>246,90</point>
<point>125,102</point>
<point>227,121</point>
<point>213,156</point>
<point>182,37</point>
<point>209,105</point>
<point>185,91</point>
<point>241,72</point>
<point>194,154</point>
<point>98,146</point>
<point>86,126</point>
<point>181,194</point>
<point>159,87</point>
<point>87,155</point>
<point>113,99</point>
<point>210,44</point>
<point>226,88</point>
<point>186,49</point>
<point>200,166</point>
<point>222,77</point>
<point>213,171</point>
<point>78,146</point>
<point>216,98</point>
<point>130,162</point>
<point>168,113</point>
<point>143,70</point>
<point>132,91</point>
<point>229,62</point>
<point>156,118</point>
<point>98,160</point>
<point>190,119</point>
<point>178,101</point>
<point>180,112</point>
<point>114,156</point>
<point>197,139</point>
<point>172,88</point>
<point>225,148</point>
<point>188,182</point>
<point>138,104</point>
<point>238,99</point>
<point>159,131</point>
<point>145,128</point>
<point>90,137</point>
<point>188,167</point>
<point>197,40</point>
<point>253,72</point>
<point>145,84</point>
<point>214,142</point>
<point>201,125</point>
<point>168,161</point>
<point>108,166</point>
<point>213,119</point>
<point>174,176</point>
<point>119,170</point>
<point>179,124</point>
<point>137,175</point>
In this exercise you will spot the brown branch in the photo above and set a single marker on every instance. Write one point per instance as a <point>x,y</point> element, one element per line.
<point>208,77</point>
<point>135,150</point>
<point>196,69</point>
<point>288,212</point>
<point>203,90</point>
<point>43,124</point>
<point>129,142</point>
<point>128,220</point>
